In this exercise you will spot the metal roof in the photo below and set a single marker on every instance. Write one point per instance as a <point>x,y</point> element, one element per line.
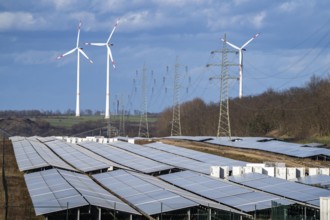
<point>230,194</point>
<point>125,158</point>
<point>295,191</point>
<point>55,190</point>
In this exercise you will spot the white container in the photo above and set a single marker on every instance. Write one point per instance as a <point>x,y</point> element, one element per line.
<point>300,172</point>
<point>325,208</point>
<point>313,171</point>
<point>280,172</point>
<point>256,165</point>
<point>237,170</point>
<point>215,171</point>
<point>270,171</point>
<point>257,170</point>
<point>224,172</point>
<point>291,173</point>
<point>247,170</point>
<point>324,171</point>
<point>131,140</point>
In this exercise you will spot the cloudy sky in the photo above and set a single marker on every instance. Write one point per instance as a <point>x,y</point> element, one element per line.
<point>157,38</point>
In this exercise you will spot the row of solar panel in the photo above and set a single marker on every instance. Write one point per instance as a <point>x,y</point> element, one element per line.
<point>142,190</point>
<point>91,156</point>
<point>264,144</point>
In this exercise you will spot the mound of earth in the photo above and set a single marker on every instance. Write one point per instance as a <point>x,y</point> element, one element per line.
<point>26,127</point>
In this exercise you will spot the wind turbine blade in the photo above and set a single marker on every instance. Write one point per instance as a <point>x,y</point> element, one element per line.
<point>78,36</point>
<point>230,44</point>
<point>96,44</point>
<point>249,41</point>
<point>67,53</point>
<point>83,53</point>
<point>110,56</point>
<point>113,30</point>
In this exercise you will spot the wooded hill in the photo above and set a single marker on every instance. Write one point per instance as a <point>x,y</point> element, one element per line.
<point>297,113</point>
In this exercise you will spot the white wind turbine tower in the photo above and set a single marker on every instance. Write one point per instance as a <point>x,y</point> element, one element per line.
<point>240,53</point>
<point>109,57</point>
<point>79,50</point>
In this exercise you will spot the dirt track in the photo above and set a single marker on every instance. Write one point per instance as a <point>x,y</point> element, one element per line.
<point>253,156</point>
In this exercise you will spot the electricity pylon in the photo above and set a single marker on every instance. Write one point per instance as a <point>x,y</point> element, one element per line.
<point>143,128</point>
<point>176,123</point>
<point>122,117</point>
<point>224,120</point>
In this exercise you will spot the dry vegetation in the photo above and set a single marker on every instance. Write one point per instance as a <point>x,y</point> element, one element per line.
<point>19,201</point>
<point>298,113</point>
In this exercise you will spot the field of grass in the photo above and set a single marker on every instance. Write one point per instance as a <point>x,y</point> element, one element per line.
<point>69,121</point>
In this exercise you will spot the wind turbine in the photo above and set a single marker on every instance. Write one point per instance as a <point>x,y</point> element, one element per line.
<point>79,50</point>
<point>107,44</point>
<point>240,53</point>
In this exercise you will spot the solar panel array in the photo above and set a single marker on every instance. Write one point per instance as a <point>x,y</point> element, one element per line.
<point>320,180</point>
<point>165,157</point>
<point>94,193</point>
<point>146,196</point>
<point>210,159</point>
<point>296,191</point>
<point>75,157</point>
<point>272,145</point>
<point>27,157</point>
<point>35,155</point>
<point>50,192</point>
<point>125,158</point>
<point>55,190</point>
<point>224,192</point>
<point>191,138</point>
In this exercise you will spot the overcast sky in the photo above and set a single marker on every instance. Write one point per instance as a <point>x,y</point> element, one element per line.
<point>292,46</point>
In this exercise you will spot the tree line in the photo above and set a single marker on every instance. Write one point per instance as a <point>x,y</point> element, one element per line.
<point>298,112</point>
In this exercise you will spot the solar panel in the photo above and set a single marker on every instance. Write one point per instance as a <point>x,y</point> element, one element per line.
<point>125,158</point>
<point>191,138</point>
<point>76,158</point>
<point>210,159</point>
<point>55,190</point>
<point>27,157</point>
<point>94,193</point>
<point>144,195</point>
<point>281,187</point>
<point>49,156</point>
<point>272,145</point>
<point>227,193</point>
<point>320,180</point>
<point>164,157</point>
<point>50,192</point>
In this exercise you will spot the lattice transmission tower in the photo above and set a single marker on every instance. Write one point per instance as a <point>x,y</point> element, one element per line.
<point>176,122</point>
<point>143,127</point>
<point>224,119</point>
